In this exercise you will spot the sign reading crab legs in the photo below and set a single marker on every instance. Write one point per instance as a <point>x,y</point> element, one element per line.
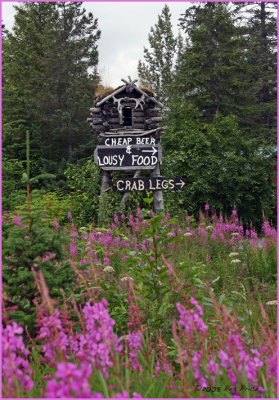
<point>128,157</point>
<point>150,184</point>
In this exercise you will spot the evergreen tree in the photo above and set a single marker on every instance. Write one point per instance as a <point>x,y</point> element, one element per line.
<point>156,70</point>
<point>259,21</point>
<point>210,71</point>
<point>48,87</point>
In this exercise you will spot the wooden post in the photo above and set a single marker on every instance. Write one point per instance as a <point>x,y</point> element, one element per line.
<point>158,195</point>
<point>126,195</point>
<point>104,187</point>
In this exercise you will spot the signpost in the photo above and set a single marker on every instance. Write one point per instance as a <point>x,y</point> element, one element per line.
<point>130,157</point>
<point>149,184</point>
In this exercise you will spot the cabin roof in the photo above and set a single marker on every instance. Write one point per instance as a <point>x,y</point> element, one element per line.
<point>106,96</point>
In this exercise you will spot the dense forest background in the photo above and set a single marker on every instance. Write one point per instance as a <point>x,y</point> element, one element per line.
<point>217,81</point>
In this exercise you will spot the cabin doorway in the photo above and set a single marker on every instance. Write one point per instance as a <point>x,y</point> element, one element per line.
<point>127,116</point>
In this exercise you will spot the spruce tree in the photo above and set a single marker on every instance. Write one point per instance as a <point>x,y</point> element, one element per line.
<point>259,22</point>
<point>210,71</point>
<point>49,81</point>
<point>156,70</point>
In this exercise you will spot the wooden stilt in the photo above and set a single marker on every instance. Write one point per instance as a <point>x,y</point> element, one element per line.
<point>157,195</point>
<point>127,194</point>
<point>104,186</point>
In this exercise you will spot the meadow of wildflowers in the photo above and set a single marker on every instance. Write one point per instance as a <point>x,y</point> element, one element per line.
<point>151,306</point>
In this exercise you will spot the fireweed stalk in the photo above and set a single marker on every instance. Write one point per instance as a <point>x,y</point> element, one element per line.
<point>15,366</point>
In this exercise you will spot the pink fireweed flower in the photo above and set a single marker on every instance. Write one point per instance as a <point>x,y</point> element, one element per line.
<point>55,224</point>
<point>135,345</point>
<point>171,234</point>
<point>206,207</point>
<point>15,366</point>
<point>17,221</point>
<point>131,220</point>
<point>187,218</point>
<point>123,217</point>
<point>234,213</point>
<point>73,249</point>
<point>115,219</point>
<point>106,261</point>
<point>179,231</point>
<point>70,215</point>
<point>125,395</point>
<point>70,381</point>
<point>190,319</point>
<point>195,364</point>
<point>100,338</point>
<point>52,334</point>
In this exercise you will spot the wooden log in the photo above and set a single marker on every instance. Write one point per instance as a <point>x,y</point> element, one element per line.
<point>95,110</point>
<point>97,121</point>
<point>97,128</point>
<point>154,110</point>
<point>138,120</point>
<point>151,113</point>
<point>152,126</point>
<point>137,113</point>
<point>114,120</point>
<point>115,126</point>
<point>138,126</point>
<point>154,119</point>
<point>158,202</point>
<point>99,115</point>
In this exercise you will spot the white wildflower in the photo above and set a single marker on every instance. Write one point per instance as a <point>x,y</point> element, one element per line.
<point>235,233</point>
<point>209,227</point>
<point>188,234</point>
<point>108,269</point>
<point>127,278</point>
<point>234,254</point>
<point>272,303</point>
<point>236,261</point>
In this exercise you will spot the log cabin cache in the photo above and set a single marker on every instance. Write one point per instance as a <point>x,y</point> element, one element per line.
<point>126,108</point>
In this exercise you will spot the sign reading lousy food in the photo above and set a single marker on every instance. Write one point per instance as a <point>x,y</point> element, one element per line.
<point>128,157</point>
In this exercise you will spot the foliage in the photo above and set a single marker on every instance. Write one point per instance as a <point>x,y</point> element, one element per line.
<point>54,205</point>
<point>55,45</point>
<point>152,298</point>
<point>29,244</point>
<point>12,187</point>
<point>83,180</point>
<point>210,72</point>
<point>219,165</point>
<point>259,23</point>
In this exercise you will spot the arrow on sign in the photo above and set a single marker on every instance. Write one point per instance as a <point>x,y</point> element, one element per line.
<point>181,183</point>
<point>150,151</point>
